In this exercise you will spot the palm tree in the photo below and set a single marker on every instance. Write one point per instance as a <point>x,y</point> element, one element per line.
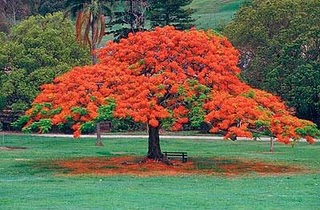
<point>90,29</point>
<point>90,21</point>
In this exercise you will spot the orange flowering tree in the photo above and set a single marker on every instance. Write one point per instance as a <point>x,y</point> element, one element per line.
<point>166,77</point>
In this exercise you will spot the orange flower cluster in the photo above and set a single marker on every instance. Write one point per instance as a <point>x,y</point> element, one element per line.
<point>160,75</point>
<point>253,111</point>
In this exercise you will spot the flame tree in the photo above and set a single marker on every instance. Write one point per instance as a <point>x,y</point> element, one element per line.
<point>167,77</point>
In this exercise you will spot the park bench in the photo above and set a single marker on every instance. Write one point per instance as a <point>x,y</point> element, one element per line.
<point>183,155</point>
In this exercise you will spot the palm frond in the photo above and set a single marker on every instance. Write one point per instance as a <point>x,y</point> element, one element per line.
<point>95,31</point>
<point>79,22</point>
<point>90,20</point>
<point>102,29</point>
<point>86,34</point>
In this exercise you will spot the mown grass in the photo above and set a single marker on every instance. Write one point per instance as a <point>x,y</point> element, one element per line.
<point>29,181</point>
<point>213,14</point>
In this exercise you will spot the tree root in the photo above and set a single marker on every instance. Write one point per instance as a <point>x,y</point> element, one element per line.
<point>164,159</point>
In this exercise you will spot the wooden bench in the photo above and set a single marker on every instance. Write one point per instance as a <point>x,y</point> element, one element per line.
<point>183,155</point>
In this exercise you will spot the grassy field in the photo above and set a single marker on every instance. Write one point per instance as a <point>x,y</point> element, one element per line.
<point>28,180</point>
<point>212,14</point>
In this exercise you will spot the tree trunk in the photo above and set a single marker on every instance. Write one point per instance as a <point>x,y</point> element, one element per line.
<point>93,41</point>
<point>99,141</point>
<point>131,18</point>
<point>94,61</point>
<point>154,150</point>
<point>271,144</point>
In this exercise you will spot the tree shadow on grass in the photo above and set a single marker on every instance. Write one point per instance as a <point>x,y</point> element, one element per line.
<point>131,165</point>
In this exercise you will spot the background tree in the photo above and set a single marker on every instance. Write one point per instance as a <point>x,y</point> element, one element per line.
<point>2,98</point>
<point>36,51</point>
<point>280,43</point>
<point>129,16</point>
<point>90,22</point>
<point>50,6</point>
<point>165,77</point>
<point>4,26</point>
<point>11,11</point>
<point>170,12</point>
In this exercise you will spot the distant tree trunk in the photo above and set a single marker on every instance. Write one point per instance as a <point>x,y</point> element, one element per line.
<point>93,39</point>
<point>271,144</point>
<point>99,141</point>
<point>154,150</point>
<point>131,14</point>
<point>14,12</point>
<point>94,61</point>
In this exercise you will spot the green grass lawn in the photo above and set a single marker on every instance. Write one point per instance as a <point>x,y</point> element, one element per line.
<point>28,180</point>
<point>212,14</point>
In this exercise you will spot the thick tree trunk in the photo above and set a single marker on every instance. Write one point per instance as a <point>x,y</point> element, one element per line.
<point>154,150</point>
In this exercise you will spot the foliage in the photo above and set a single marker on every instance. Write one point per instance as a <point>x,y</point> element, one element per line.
<point>128,16</point>
<point>167,75</point>
<point>50,6</point>
<point>170,12</point>
<point>21,122</point>
<point>132,16</point>
<point>280,43</point>
<point>12,11</point>
<point>36,51</point>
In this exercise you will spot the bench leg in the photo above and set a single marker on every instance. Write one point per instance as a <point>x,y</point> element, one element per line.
<point>184,159</point>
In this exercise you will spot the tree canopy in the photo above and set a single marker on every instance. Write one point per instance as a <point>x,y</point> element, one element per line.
<point>170,12</point>
<point>128,16</point>
<point>13,11</point>
<point>35,52</point>
<point>131,16</point>
<point>280,43</point>
<point>165,77</point>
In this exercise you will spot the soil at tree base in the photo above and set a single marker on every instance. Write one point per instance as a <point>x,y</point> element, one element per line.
<point>130,165</point>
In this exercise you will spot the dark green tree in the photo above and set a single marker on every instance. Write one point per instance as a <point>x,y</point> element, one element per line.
<point>13,11</point>
<point>129,16</point>
<point>280,42</point>
<point>36,51</point>
<point>50,6</point>
<point>2,43</point>
<point>170,12</point>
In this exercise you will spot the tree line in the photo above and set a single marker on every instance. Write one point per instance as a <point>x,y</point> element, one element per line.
<point>28,27</point>
<point>278,40</point>
<point>123,16</point>
<point>280,46</point>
